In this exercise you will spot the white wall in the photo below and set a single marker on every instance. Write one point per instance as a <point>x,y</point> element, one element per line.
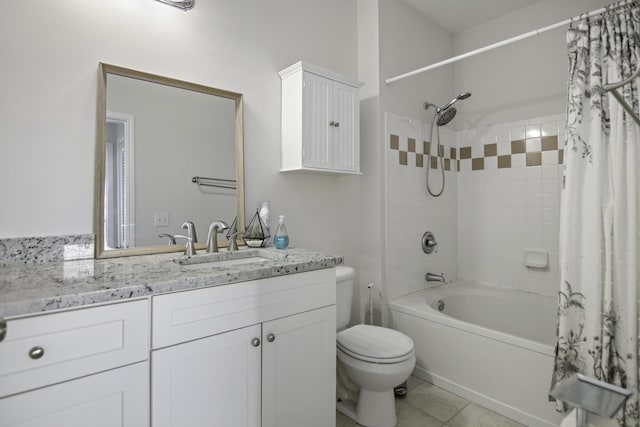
<point>48,86</point>
<point>522,80</point>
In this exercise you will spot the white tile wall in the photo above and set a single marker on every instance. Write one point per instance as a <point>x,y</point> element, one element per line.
<point>484,220</point>
<point>411,211</point>
<point>504,211</point>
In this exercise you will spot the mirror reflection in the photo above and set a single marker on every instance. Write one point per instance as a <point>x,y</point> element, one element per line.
<point>169,152</point>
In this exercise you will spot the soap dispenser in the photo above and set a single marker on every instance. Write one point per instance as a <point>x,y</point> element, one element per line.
<point>281,238</point>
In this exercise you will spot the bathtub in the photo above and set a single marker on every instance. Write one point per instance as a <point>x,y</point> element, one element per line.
<point>491,346</point>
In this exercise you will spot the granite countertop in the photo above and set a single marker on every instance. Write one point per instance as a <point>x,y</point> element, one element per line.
<point>33,288</point>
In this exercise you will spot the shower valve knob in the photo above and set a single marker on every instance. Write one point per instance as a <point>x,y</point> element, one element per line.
<point>429,242</point>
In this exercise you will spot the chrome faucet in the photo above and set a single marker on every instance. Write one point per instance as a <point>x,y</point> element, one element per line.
<point>191,230</point>
<point>432,277</point>
<point>212,239</point>
<point>190,248</point>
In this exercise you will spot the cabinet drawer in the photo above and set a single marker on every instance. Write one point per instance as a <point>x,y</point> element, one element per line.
<point>50,348</point>
<point>190,315</point>
<point>119,397</point>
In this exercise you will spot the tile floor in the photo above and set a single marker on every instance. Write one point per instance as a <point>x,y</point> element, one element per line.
<point>427,405</point>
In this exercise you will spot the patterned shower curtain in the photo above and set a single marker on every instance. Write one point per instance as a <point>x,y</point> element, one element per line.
<point>598,298</point>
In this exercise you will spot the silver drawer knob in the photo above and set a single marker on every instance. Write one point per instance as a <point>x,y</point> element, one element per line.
<point>255,342</point>
<point>271,337</point>
<point>36,352</point>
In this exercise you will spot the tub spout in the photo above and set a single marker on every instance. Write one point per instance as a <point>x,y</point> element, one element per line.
<point>432,277</point>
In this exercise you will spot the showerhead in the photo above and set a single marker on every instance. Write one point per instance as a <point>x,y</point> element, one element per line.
<point>445,116</point>
<point>463,95</point>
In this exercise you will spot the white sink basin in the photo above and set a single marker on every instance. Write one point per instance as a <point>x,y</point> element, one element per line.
<point>225,262</point>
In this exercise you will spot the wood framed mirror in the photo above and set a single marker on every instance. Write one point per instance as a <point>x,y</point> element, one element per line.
<point>168,151</point>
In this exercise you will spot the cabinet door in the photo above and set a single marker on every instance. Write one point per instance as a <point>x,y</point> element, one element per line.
<point>113,398</point>
<point>214,381</point>
<point>346,131</point>
<point>299,370</point>
<point>317,150</point>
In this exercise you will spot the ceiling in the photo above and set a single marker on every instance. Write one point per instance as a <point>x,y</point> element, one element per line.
<point>456,15</point>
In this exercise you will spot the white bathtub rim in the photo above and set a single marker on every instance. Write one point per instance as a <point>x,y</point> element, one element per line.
<point>430,314</point>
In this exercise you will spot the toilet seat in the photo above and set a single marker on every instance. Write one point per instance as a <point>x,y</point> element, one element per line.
<point>375,344</point>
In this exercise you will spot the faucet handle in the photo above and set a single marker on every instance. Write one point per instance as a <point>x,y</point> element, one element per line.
<point>189,248</point>
<point>429,243</point>
<point>172,239</point>
<point>233,243</point>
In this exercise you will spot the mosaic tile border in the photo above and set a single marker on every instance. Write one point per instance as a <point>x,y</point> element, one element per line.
<point>533,150</point>
<point>449,154</point>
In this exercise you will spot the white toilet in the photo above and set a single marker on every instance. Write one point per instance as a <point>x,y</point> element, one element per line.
<point>374,360</point>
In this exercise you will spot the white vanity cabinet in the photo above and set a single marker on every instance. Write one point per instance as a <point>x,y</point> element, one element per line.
<point>77,368</point>
<point>320,120</point>
<point>257,353</point>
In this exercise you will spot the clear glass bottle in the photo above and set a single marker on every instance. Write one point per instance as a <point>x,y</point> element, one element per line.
<point>281,238</point>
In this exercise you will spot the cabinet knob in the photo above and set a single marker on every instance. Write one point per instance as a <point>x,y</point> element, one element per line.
<point>332,123</point>
<point>337,124</point>
<point>255,342</point>
<point>271,337</point>
<point>3,328</point>
<point>36,352</point>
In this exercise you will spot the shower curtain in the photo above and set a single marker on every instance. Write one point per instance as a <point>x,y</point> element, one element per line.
<point>598,297</point>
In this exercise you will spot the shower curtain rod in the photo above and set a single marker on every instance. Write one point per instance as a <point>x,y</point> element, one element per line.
<point>502,43</point>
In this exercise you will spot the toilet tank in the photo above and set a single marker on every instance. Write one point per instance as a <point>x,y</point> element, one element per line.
<point>344,295</point>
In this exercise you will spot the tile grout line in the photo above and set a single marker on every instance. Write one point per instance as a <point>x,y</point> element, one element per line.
<point>457,413</point>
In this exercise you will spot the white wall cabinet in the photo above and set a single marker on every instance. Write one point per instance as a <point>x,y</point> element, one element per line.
<point>320,121</point>
<point>276,371</point>
<point>77,368</point>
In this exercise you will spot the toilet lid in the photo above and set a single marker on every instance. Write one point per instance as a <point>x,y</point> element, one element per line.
<point>374,343</point>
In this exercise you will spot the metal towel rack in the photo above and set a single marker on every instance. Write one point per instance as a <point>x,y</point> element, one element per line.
<point>215,182</point>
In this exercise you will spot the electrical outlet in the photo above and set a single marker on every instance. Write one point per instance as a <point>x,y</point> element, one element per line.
<point>161,219</point>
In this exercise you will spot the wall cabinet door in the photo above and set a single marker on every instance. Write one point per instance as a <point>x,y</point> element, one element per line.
<point>207,382</point>
<point>317,151</point>
<point>118,397</point>
<point>346,128</point>
<point>299,369</point>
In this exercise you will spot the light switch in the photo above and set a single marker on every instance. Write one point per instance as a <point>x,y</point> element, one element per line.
<point>161,219</point>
